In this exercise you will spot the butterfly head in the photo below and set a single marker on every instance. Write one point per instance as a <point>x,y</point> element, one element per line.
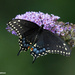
<point>42,26</point>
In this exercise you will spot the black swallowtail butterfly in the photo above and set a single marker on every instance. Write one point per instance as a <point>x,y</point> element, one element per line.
<point>38,40</point>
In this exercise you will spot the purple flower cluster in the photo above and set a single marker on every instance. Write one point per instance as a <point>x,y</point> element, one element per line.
<point>42,19</point>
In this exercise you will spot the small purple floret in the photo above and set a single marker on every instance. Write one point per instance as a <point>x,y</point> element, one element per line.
<point>67,23</point>
<point>13,32</point>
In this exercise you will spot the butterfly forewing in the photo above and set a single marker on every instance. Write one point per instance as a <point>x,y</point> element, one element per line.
<point>55,45</point>
<point>22,26</point>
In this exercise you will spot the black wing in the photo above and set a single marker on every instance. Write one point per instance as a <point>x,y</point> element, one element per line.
<point>22,26</point>
<point>49,43</point>
<point>27,40</point>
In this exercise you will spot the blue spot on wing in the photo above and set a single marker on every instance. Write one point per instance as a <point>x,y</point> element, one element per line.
<point>24,45</point>
<point>41,51</point>
<point>37,51</point>
<point>23,38</point>
<point>27,44</point>
<point>23,41</point>
<point>44,49</point>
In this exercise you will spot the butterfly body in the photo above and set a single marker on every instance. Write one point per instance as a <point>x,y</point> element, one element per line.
<point>40,41</point>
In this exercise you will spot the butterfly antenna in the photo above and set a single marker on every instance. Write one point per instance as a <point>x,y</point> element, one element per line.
<point>18,52</point>
<point>34,58</point>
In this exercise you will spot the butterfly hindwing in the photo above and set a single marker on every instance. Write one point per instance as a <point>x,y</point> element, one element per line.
<point>24,44</point>
<point>49,43</point>
<point>27,40</point>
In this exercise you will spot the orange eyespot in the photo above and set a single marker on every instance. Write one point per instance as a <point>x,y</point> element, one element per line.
<point>31,49</point>
<point>28,47</point>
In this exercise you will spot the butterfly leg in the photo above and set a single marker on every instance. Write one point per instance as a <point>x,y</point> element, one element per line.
<point>34,58</point>
<point>19,52</point>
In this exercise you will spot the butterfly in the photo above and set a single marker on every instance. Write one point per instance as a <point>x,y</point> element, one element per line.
<point>38,40</point>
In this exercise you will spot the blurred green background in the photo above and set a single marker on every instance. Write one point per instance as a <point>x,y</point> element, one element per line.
<point>22,65</point>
